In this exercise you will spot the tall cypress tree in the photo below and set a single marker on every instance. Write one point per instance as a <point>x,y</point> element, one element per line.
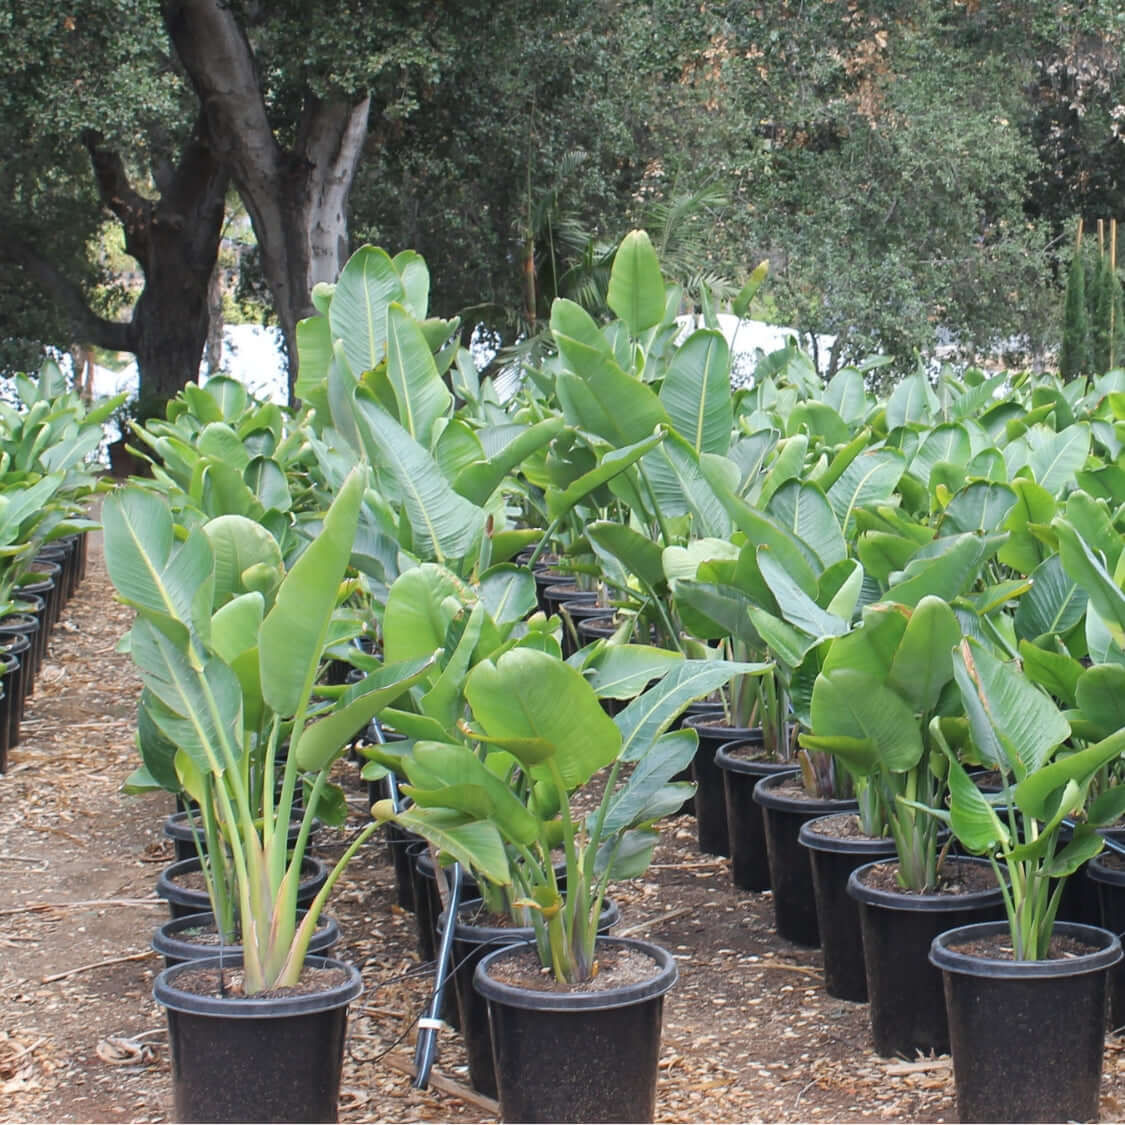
<point>1074,359</point>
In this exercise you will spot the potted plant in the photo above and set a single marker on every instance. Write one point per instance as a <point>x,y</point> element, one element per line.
<point>229,643</point>
<point>1006,984</point>
<point>501,802</point>
<point>872,703</point>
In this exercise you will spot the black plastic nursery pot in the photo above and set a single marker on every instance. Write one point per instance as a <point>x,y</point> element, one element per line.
<point>1027,1037</point>
<point>245,1059</point>
<point>177,827</point>
<point>15,684</point>
<point>184,900</point>
<point>711,824</point>
<point>193,937</point>
<point>398,841</point>
<point>904,990</point>
<point>23,625</point>
<point>785,808</point>
<point>472,942</point>
<point>833,858</point>
<point>742,763</point>
<point>1108,877</point>
<point>578,1056</point>
<point>9,701</point>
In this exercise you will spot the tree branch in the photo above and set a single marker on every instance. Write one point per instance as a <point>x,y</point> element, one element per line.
<point>88,327</point>
<point>133,211</point>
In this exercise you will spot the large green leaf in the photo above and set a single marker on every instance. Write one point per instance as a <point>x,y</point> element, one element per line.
<point>295,630</point>
<point>240,544</point>
<point>1100,697</point>
<point>804,510</point>
<point>912,400</point>
<point>447,775</point>
<point>1056,672</point>
<point>947,442</point>
<point>636,289</point>
<point>476,844</point>
<point>796,606</point>
<point>595,393</point>
<point>1054,604</point>
<point>321,742</point>
<point>972,818</point>
<point>847,395</point>
<point>420,393</point>
<point>943,569</point>
<point>507,592</point>
<point>632,804</point>
<point>652,712</point>
<point>150,573</point>
<point>200,708</point>
<point>868,480</point>
<point>314,352</point>
<point>1034,506</point>
<point>923,662</point>
<point>443,524</point>
<point>696,392</point>
<point>1085,568</point>
<point>479,480</point>
<point>612,464</point>
<point>368,283</point>
<point>681,487</point>
<point>623,671</point>
<point>1034,793</point>
<point>636,552</point>
<point>980,506</point>
<point>881,726</point>
<point>1013,723</point>
<point>417,613</point>
<point>1056,459</point>
<point>527,698</point>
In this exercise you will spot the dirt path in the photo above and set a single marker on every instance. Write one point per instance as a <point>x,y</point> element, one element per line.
<point>749,1033</point>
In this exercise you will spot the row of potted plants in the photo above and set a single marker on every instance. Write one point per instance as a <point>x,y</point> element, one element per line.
<point>888,589</point>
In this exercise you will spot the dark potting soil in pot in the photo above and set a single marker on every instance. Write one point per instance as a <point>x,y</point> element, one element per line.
<point>843,826</point>
<point>616,969</point>
<point>232,982</point>
<point>955,878</point>
<point>999,948</point>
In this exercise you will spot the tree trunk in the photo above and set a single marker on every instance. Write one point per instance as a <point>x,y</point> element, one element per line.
<point>213,349</point>
<point>296,198</point>
<point>176,241</point>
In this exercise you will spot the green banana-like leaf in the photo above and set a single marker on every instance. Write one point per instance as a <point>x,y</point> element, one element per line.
<point>696,392</point>
<point>1054,604</point>
<point>200,701</point>
<point>1082,565</point>
<point>475,844</point>
<point>466,784</point>
<point>321,742</point>
<point>923,660</point>
<point>981,506</point>
<point>314,353</point>
<point>804,510</point>
<point>421,395</point>
<point>479,480</point>
<point>294,632</point>
<point>943,569</point>
<point>1100,697</point>
<point>444,526</point>
<point>868,480</point>
<point>614,462</point>
<point>652,712</point>
<point>636,289</point>
<point>797,608</point>
<point>629,856</point>
<point>1034,506</point>
<point>623,671</point>
<point>1014,725</point>
<point>631,805</point>
<point>681,487</point>
<point>1034,793</point>
<point>150,573</point>
<point>238,545</point>
<point>1056,672</point>
<point>367,285</point>
<point>852,705</point>
<point>1059,456</point>
<point>528,697</point>
<point>419,610</point>
<point>267,481</point>
<point>507,593</point>
<point>637,553</point>
<point>973,820</point>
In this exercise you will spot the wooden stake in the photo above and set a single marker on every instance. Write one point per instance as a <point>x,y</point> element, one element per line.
<point>98,965</point>
<point>446,1085</point>
<point>1101,237</point>
<point>1078,244</point>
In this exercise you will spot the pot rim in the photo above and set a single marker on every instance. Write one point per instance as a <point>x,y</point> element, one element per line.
<point>874,846</point>
<point>755,767</point>
<point>974,965</point>
<point>925,903</point>
<point>175,999</point>
<point>624,996</point>
<point>510,935</point>
<point>166,885</point>
<point>818,806</point>
<point>167,942</point>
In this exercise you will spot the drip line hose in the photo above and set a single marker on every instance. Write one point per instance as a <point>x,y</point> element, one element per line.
<point>425,1052</point>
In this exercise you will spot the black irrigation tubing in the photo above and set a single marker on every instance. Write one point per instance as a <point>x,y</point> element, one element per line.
<point>426,1049</point>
